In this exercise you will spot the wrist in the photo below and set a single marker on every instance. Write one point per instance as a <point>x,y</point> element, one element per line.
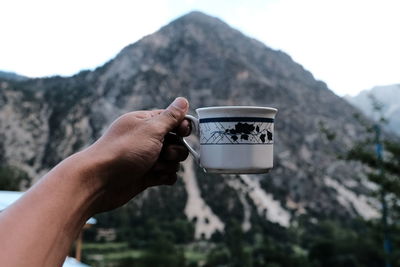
<point>89,178</point>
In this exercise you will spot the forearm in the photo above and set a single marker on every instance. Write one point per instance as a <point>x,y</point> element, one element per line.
<point>40,227</point>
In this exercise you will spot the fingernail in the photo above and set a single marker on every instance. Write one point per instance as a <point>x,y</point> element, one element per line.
<point>180,103</point>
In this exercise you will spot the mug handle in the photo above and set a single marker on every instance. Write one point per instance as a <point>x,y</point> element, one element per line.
<point>195,130</point>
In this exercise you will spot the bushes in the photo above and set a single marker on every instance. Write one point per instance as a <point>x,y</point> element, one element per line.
<point>12,177</point>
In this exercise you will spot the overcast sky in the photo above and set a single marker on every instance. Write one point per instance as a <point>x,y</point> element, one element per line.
<point>352,45</point>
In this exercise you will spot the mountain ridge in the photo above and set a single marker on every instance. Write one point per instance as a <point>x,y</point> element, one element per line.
<point>7,75</point>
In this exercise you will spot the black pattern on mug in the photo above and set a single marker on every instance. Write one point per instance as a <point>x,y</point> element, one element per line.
<point>236,133</point>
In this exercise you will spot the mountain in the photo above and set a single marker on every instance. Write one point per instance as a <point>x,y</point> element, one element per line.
<point>200,57</point>
<point>12,76</point>
<point>388,96</point>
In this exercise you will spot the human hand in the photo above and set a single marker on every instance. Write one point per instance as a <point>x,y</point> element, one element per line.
<point>137,151</point>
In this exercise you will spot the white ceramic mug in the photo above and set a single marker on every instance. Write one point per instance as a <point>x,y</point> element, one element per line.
<point>234,139</point>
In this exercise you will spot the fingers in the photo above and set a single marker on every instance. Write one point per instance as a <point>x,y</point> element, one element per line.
<point>174,153</point>
<point>162,167</point>
<point>164,179</point>
<point>171,117</point>
<point>165,169</point>
<point>184,129</point>
<point>173,149</point>
<point>163,173</point>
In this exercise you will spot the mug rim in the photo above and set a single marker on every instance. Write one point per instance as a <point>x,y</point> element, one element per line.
<point>237,108</point>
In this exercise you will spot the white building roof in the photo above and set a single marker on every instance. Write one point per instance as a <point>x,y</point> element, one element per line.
<point>72,262</point>
<point>8,197</point>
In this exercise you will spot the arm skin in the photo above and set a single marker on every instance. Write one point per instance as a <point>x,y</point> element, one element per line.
<point>135,153</point>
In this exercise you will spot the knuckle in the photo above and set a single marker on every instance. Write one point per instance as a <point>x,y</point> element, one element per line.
<point>173,114</point>
<point>127,119</point>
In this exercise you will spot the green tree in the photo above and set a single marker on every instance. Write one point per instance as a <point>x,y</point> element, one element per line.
<point>11,178</point>
<point>234,240</point>
<point>162,253</point>
<point>218,256</point>
<point>331,244</point>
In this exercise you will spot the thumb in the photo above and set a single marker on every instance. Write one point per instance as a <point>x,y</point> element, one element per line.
<point>172,116</point>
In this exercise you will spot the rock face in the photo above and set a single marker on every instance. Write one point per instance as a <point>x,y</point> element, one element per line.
<point>388,96</point>
<point>203,59</point>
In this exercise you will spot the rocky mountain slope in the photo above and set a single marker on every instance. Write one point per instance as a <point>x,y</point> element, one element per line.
<point>388,96</point>
<point>200,57</point>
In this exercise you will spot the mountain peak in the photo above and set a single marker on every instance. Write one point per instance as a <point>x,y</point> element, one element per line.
<point>195,14</point>
<point>197,21</point>
<point>198,17</point>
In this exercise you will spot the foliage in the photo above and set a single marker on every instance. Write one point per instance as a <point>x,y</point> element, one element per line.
<point>12,177</point>
<point>93,248</point>
<point>327,243</point>
<point>234,240</point>
<point>152,242</point>
<point>337,246</point>
<point>388,177</point>
<point>162,252</point>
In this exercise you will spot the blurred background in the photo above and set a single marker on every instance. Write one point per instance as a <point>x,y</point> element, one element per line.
<point>69,68</point>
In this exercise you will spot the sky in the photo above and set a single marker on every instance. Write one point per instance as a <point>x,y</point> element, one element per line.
<point>352,45</point>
